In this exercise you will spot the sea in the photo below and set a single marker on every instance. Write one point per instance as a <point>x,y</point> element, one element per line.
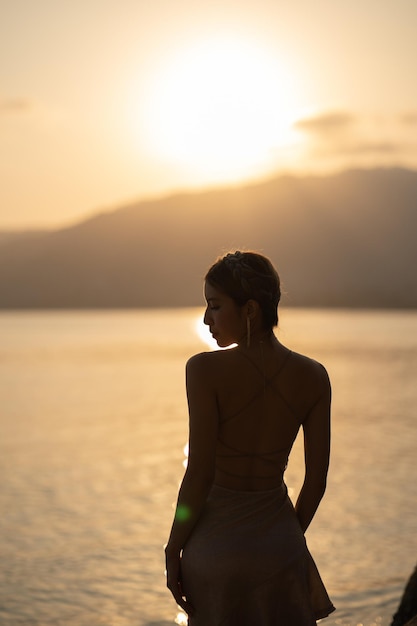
<point>93,428</point>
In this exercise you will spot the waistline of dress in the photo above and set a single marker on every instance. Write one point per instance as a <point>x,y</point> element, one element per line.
<point>220,491</point>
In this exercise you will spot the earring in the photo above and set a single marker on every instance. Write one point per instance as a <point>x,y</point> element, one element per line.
<point>248,332</point>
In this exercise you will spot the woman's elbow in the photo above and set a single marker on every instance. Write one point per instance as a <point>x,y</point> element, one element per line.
<point>203,477</point>
<point>316,484</point>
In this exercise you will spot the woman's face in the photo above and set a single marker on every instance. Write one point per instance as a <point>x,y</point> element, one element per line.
<point>226,320</point>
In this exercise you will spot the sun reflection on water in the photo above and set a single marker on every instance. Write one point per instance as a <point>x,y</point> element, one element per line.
<point>204,333</point>
<point>185,461</point>
<point>181,619</point>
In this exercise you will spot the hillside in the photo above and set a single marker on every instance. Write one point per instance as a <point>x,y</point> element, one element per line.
<point>346,240</point>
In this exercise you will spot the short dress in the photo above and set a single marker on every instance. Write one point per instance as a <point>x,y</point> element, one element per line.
<point>246,562</point>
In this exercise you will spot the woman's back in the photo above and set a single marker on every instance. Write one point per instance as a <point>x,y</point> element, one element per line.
<point>257,569</point>
<point>264,394</point>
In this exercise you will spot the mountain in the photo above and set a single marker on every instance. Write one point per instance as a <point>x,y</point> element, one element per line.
<point>345,240</point>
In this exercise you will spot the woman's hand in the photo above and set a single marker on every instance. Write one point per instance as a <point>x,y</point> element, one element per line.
<point>173,574</point>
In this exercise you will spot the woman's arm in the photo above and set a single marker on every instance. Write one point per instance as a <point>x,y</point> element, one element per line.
<point>199,476</point>
<point>316,429</point>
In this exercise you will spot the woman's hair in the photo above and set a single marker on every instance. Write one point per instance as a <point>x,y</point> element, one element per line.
<point>247,276</point>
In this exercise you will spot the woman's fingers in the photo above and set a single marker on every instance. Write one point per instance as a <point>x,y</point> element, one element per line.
<point>173,573</point>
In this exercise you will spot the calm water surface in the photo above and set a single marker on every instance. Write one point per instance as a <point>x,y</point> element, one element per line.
<point>92,429</point>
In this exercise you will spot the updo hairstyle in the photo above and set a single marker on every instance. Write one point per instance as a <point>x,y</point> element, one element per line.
<point>247,276</point>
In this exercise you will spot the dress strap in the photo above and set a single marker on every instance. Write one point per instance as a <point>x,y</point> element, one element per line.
<point>267,382</point>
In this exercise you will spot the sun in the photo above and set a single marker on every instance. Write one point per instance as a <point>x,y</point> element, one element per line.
<point>221,108</point>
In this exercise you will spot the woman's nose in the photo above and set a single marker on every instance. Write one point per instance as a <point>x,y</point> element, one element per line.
<point>206,318</point>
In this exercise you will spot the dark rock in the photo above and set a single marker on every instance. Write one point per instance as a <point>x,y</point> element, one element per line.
<point>406,614</point>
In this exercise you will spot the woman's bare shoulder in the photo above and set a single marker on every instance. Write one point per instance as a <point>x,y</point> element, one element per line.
<point>212,356</point>
<point>309,369</point>
<point>205,362</point>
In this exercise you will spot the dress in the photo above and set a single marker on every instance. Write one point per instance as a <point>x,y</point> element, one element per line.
<point>246,562</point>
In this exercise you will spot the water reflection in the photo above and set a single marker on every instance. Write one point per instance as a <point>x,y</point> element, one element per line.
<point>96,439</point>
<point>186,450</point>
<point>204,333</point>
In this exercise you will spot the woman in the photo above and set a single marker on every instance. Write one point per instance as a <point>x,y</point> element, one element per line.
<point>236,555</point>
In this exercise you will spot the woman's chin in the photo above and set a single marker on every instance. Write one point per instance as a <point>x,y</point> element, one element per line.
<point>225,344</point>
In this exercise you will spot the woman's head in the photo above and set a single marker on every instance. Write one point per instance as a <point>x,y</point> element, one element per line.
<point>247,276</point>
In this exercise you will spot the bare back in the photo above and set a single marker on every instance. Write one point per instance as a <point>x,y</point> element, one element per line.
<point>263,396</point>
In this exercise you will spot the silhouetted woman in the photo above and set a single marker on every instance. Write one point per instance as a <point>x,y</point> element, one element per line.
<point>236,555</point>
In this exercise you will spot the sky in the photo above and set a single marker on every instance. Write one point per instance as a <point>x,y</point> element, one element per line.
<point>104,102</point>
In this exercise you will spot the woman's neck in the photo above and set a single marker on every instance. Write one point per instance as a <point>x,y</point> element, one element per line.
<point>264,337</point>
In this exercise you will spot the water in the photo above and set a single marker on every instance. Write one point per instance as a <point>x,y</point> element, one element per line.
<point>92,429</point>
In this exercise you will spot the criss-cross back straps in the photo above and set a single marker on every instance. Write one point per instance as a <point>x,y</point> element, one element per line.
<point>267,382</point>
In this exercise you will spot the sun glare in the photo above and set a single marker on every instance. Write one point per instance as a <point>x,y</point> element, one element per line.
<point>220,109</point>
<point>181,619</point>
<point>204,334</point>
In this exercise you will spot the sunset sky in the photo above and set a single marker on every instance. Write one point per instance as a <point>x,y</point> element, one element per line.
<point>107,101</point>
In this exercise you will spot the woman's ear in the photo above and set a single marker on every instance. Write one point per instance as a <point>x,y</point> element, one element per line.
<point>252,309</point>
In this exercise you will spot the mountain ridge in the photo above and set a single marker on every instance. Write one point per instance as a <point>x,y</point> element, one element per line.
<point>341,240</point>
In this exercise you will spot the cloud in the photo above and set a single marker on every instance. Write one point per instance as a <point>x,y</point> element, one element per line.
<point>344,133</point>
<point>350,139</point>
<point>374,147</point>
<point>358,149</point>
<point>15,105</point>
<point>327,123</point>
<point>409,119</point>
